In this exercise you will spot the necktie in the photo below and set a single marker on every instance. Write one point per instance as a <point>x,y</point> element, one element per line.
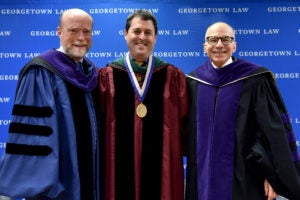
<point>85,69</point>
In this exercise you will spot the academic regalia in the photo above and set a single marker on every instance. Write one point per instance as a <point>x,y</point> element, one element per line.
<point>240,135</point>
<point>144,156</point>
<point>52,150</point>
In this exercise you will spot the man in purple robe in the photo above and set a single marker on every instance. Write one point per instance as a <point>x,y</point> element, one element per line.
<point>242,145</point>
<point>52,151</point>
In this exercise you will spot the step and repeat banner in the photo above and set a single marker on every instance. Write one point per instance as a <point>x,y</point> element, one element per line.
<point>267,33</point>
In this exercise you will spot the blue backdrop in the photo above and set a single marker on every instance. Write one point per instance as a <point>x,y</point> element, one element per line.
<point>267,32</point>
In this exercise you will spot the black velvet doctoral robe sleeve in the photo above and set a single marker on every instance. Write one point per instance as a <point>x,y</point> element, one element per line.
<point>274,154</point>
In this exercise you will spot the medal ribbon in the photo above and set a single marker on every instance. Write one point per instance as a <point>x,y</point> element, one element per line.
<point>140,92</point>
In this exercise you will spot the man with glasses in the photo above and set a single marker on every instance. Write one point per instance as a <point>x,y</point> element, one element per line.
<point>241,142</point>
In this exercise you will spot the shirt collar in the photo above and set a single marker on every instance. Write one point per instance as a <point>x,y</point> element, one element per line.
<point>61,49</point>
<point>224,65</point>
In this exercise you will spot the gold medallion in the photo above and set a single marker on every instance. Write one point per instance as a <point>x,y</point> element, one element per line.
<point>141,110</point>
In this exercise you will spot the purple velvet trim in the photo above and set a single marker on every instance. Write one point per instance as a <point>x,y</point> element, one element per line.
<point>216,127</point>
<point>295,156</point>
<point>215,140</point>
<point>70,71</point>
<point>219,77</point>
<point>286,118</point>
<point>291,136</point>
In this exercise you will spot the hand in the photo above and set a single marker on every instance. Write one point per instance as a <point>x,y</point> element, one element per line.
<point>269,191</point>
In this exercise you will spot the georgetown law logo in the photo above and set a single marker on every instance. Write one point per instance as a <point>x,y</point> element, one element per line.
<point>209,10</point>
<point>120,10</point>
<point>49,33</point>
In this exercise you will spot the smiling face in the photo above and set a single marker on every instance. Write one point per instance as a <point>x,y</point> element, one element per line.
<point>219,53</point>
<point>75,33</point>
<point>140,38</point>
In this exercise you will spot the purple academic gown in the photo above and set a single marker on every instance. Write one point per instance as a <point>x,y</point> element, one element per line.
<point>233,109</point>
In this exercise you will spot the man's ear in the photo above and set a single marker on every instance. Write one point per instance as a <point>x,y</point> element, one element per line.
<point>234,48</point>
<point>205,47</point>
<point>125,33</point>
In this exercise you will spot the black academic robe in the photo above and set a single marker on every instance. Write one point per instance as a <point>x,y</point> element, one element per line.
<point>240,135</point>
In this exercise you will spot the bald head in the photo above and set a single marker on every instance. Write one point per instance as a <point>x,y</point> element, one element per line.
<point>73,13</point>
<point>223,27</point>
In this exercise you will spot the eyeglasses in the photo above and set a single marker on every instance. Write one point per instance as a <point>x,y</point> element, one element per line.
<point>212,40</point>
